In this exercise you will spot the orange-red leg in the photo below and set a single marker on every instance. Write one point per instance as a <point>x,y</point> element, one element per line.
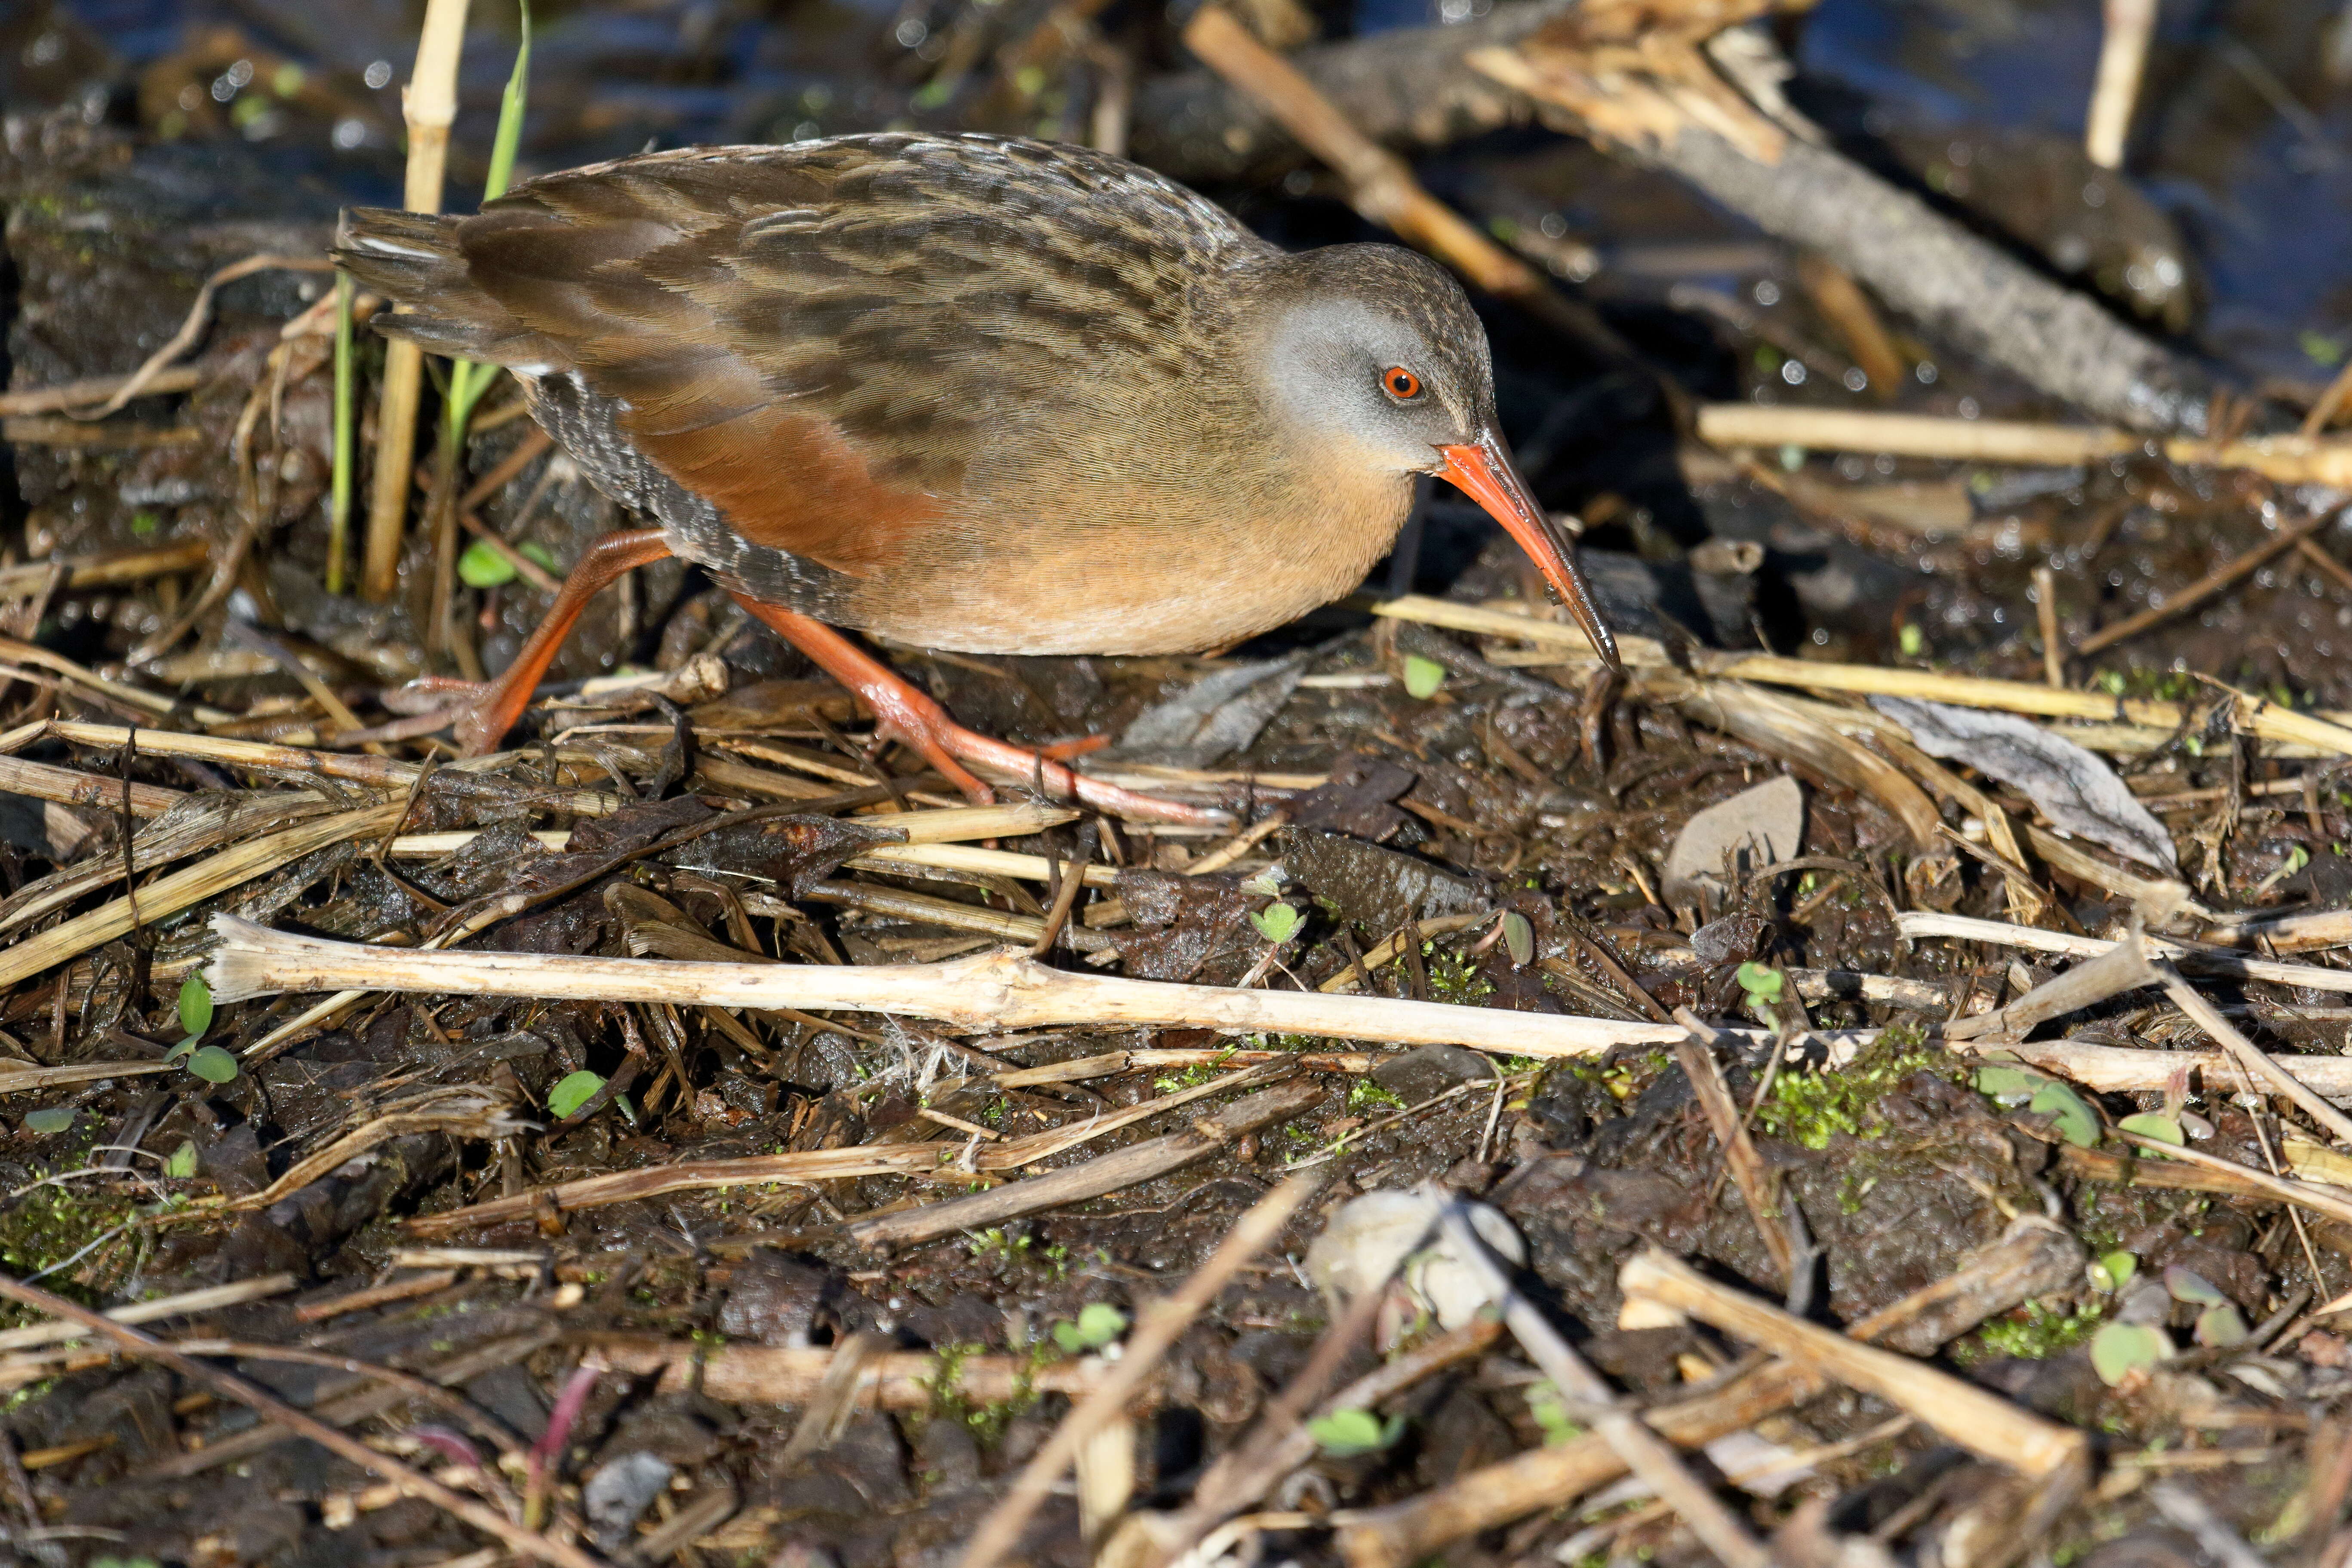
<point>920,723</point>
<point>483,722</point>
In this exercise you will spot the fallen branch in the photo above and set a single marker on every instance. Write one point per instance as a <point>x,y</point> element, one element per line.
<point>1966,291</point>
<point>988,991</point>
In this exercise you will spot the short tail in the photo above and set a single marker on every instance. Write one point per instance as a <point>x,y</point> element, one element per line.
<point>413,260</point>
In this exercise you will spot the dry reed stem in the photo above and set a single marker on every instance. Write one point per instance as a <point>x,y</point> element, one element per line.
<point>2257,1062</point>
<point>74,394</point>
<point>993,991</point>
<point>2312,1195</point>
<point>1918,923</point>
<point>189,885</point>
<point>186,1303</point>
<point>2288,460</point>
<point>1097,1177</point>
<point>112,570</point>
<point>2122,57</point>
<point>2122,1069</point>
<point>1980,1421</point>
<point>69,786</point>
<point>192,327</point>
<point>27,1079</point>
<point>895,1380</point>
<point>942,1160</point>
<point>120,692</point>
<point>414,1483</point>
<point>1157,1329</point>
<point>429,105</point>
<point>2123,967</point>
<point>2205,587</point>
<point>1748,1169</point>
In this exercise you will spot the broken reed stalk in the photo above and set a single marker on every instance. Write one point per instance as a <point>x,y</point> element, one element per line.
<point>429,107</point>
<point>894,1379</point>
<point>347,423</point>
<point>2223,961</point>
<point>1107,1174</point>
<point>1975,1418</point>
<point>1158,1328</point>
<point>2257,1062</point>
<point>228,1385</point>
<point>187,887</point>
<point>1746,1166</point>
<point>469,380</point>
<point>2289,459</point>
<point>988,991</point>
<point>2115,90</point>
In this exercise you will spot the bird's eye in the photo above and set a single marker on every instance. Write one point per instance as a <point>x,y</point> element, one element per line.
<point>1400,383</point>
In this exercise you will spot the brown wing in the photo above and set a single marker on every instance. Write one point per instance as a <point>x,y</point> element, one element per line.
<point>837,342</point>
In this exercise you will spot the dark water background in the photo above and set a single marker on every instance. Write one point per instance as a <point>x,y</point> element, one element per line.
<point>2244,136</point>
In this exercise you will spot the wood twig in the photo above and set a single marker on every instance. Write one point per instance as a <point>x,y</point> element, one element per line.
<point>997,991</point>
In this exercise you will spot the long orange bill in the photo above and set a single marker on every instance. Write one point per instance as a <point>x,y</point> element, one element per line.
<point>1483,472</point>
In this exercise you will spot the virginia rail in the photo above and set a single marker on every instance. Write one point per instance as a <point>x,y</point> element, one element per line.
<point>966,392</point>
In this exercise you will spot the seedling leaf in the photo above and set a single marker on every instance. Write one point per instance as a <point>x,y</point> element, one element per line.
<point>2221,1327</point>
<point>2076,1122</point>
<point>196,1005</point>
<point>2188,1285</point>
<point>483,566</point>
<point>49,1119</point>
<point>572,1093</point>
<point>2153,1124</point>
<point>1518,938</point>
<point>1344,1434</point>
<point>1761,982</point>
<point>2118,1349</point>
<point>213,1065</point>
<point>2113,1270</point>
<point>1422,677</point>
<point>1277,923</point>
<point>182,1161</point>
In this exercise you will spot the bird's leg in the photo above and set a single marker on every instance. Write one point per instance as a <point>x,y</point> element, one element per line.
<point>484,720</point>
<point>923,725</point>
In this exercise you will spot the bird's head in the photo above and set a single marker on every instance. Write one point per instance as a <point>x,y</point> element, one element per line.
<point>1373,352</point>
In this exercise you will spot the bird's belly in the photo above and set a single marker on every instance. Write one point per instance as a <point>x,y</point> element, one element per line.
<point>1129,590</point>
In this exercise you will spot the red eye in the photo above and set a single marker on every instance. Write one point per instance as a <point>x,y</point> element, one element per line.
<point>1400,383</point>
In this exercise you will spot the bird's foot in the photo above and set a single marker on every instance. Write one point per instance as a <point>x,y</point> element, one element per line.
<point>479,713</point>
<point>909,716</point>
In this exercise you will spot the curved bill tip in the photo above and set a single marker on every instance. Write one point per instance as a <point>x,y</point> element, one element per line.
<point>1482,470</point>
